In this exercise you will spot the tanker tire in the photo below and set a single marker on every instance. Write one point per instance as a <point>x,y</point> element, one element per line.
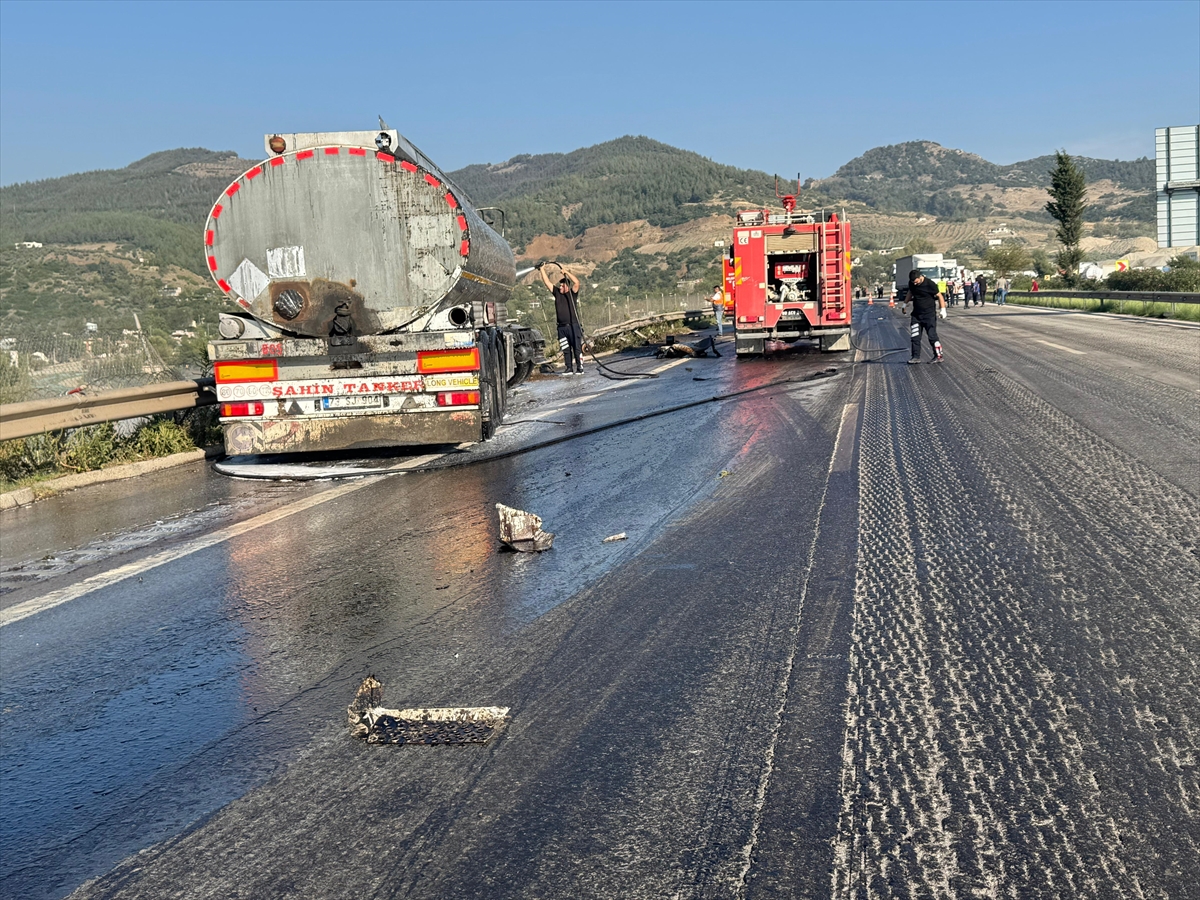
<point>521,373</point>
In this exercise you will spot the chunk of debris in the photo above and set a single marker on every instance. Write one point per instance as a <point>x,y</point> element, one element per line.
<point>672,349</point>
<point>724,472</point>
<point>368,697</point>
<point>614,537</point>
<point>368,719</point>
<point>523,530</point>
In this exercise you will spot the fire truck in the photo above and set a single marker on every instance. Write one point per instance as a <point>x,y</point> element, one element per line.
<point>789,273</point>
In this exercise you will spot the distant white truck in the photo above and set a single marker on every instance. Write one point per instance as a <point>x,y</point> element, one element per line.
<point>933,266</point>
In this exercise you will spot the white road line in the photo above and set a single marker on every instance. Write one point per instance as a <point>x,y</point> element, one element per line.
<point>990,325</point>
<point>106,579</point>
<point>1061,347</point>
<point>844,445</point>
<point>668,365</point>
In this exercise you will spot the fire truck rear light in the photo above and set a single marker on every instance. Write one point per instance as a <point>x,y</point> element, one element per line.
<point>458,398</point>
<point>232,410</point>
<point>246,370</point>
<point>431,362</point>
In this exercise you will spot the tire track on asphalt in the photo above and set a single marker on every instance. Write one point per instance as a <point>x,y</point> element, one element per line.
<point>980,709</point>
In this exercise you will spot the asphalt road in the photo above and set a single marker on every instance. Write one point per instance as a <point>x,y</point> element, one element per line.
<point>900,631</point>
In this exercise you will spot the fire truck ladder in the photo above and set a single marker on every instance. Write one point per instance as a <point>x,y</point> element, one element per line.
<point>833,267</point>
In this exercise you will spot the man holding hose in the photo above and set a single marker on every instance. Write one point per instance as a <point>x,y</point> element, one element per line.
<point>566,309</point>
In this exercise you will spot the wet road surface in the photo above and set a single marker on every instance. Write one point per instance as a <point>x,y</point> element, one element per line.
<point>934,633</point>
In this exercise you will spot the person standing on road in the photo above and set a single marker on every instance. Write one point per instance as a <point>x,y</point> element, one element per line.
<point>1001,290</point>
<point>980,289</point>
<point>566,310</point>
<point>718,303</point>
<point>928,305</point>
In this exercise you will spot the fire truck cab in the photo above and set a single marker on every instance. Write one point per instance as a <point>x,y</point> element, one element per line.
<point>790,279</point>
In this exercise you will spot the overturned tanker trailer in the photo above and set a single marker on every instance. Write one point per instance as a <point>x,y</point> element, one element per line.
<point>373,301</point>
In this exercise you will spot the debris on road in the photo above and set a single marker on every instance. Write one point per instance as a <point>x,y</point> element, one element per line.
<point>672,349</point>
<point>523,530</point>
<point>724,472</point>
<point>368,719</point>
<point>614,537</point>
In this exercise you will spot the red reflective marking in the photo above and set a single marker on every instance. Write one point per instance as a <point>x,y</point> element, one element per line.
<point>357,151</point>
<point>331,151</point>
<point>432,180</point>
<point>465,248</point>
<point>244,303</point>
<point>216,213</point>
<point>408,165</point>
<point>384,157</point>
<point>255,172</point>
<point>304,154</point>
<point>223,285</point>
<point>450,199</point>
<point>277,161</point>
<point>212,263</point>
<point>208,238</point>
<point>462,223</point>
<point>233,189</point>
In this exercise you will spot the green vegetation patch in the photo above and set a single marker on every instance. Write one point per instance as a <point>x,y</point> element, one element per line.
<point>30,460</point>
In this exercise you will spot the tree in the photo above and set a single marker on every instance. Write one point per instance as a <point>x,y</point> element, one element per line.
<point>919,245</point>
<point>1041,263</point>
<point>1006,259</point>
<point>1068,191</point>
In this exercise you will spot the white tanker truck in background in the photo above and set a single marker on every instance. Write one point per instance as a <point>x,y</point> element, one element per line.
<point>372,301</point>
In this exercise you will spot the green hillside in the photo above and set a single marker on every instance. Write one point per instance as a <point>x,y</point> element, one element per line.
<point>157,204</point>
<point>618,181</point>
<point>921,176</point>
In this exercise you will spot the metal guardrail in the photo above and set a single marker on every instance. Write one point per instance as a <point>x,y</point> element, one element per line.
<point>686,315</point>
<point>1056,298</point>
<point>32,417</point>
<point>1142,296</point>
<point>18,420</point>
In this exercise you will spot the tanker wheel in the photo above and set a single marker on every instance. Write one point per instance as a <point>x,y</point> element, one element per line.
<point>521,373</point>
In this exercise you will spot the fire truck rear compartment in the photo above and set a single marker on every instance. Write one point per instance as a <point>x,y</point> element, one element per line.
<point>791,277</point>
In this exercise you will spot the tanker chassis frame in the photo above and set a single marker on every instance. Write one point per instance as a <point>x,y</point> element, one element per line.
<point>288,395</point>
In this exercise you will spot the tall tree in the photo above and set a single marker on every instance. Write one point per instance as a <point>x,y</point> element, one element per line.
<point>1068,191</point>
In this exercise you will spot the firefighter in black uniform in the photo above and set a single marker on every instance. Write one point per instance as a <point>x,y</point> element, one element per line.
<point>566,309</point>
<point>928,305</point>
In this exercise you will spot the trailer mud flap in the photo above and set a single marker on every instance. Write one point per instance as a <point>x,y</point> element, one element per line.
<point>352,432</point>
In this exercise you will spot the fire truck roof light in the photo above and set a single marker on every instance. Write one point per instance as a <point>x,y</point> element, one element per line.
<point>246,370</point>
<point>431,362</point>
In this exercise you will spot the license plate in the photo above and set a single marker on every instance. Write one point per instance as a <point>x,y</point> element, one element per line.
<point>791,314</point>
<point>355,401</point>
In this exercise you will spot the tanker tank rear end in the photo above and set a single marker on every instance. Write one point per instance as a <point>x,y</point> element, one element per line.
<point>373,301</point>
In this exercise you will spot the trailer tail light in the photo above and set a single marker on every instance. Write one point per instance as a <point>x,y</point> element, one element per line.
<point>233,410</point>
<point>433,362</point>
<point>248,370</point>
<point>458,398</point>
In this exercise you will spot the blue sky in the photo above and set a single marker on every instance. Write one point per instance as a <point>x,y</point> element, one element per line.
<point>783,87</point>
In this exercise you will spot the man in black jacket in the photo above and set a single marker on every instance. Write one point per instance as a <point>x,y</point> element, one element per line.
<point>928,305</point>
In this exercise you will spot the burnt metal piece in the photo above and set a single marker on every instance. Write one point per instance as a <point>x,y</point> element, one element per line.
<point>522,531</point>
<point>366,718</point>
